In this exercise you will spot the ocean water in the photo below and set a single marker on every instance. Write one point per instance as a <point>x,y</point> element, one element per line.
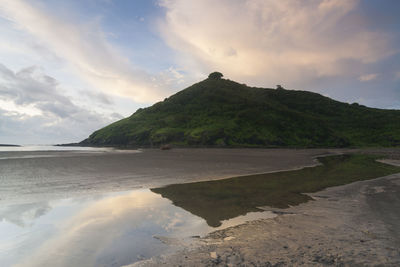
<point>51,148</point>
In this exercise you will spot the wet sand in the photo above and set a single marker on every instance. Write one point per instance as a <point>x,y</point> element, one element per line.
<point>350,225</point>
<point>32,176</point>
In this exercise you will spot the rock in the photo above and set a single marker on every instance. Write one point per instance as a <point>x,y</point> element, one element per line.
<point>165,147</point>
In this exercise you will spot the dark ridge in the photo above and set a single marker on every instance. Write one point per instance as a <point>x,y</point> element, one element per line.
<point>9,145</point>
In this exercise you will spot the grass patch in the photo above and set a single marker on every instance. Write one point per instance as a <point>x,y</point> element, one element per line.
<point>224,199</point>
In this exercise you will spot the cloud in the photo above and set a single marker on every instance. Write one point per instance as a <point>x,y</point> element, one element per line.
<point>87,50</point>
<point>34,107</point>
<point>31,87</point>
<point>368,77</point>
<point>270,41</point>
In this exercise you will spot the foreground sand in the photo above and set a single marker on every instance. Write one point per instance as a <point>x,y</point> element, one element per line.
<point>350,225</point>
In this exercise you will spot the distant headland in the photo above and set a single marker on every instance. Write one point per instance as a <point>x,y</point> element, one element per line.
<point>10,145</point>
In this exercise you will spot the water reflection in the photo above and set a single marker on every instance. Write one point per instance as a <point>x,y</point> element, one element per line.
<point>25,214</point>
<point>111,230</point>
<point>220,200</point>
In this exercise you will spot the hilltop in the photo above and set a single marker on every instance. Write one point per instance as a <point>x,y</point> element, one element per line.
<point>221,112</point>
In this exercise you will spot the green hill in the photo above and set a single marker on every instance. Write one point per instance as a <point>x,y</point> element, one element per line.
<point>220,112</point>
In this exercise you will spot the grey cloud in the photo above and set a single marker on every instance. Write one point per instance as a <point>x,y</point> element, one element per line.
<point>30,86</point>
<point>61,120</point>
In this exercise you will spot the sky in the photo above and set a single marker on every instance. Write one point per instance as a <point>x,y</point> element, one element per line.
<point>68,68</point>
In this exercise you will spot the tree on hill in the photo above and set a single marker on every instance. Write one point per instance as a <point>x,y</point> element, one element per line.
<point>215,75</point>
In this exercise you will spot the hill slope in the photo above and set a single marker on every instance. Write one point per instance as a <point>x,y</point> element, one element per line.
<point>220,112</point>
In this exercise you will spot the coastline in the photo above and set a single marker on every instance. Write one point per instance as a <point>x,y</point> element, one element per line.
<point>9,145</point>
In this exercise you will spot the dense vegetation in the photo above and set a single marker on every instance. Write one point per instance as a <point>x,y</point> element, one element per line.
<point>220,112</point>
<point>224,199</point>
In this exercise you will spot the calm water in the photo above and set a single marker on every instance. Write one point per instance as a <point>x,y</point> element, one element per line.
<point>51,148</point>
<point>102,230</point>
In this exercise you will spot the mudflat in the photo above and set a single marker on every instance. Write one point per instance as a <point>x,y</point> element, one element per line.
<point>349,225</point>
<point>35,175</point>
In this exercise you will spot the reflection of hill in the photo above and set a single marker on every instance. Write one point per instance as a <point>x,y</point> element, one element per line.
<point>224,199</point>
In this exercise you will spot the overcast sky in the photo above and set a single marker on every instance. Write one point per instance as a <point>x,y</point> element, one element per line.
<point>68,68</point>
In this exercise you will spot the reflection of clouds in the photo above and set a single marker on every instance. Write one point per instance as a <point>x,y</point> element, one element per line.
<point>113,231</point>
<point>112,224</point>
<point>25,214</point>
<point>175,222</point>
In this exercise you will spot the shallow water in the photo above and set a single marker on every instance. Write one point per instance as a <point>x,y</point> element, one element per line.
<point>51,148</point>
<point>228,198</point>
<point>32,176</point>
<point>92,207</point>
<point>102,230</point>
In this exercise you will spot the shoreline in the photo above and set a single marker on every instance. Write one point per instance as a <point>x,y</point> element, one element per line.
<point>342,226</point>
<point>347,225</point>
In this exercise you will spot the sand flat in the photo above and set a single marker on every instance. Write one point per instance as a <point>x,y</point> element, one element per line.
<point>350,225</point>
<point>27,176</point>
